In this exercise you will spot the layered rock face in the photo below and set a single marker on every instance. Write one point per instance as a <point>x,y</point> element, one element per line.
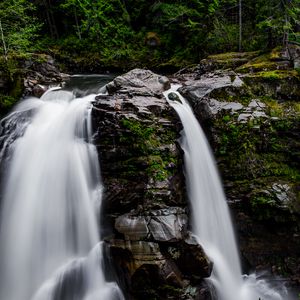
<point>253,128</point>
<point>30,76</point>
<point>255,139</point>
<point>144,200</point>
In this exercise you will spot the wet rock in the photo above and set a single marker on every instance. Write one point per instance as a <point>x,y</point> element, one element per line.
<point>144,196</point>
<point>139,82</point>
<point>210,108</point>
<point>38,90</point>
<point>168,228</point>
<point>143,260</point>
<point>141,163</point>
<point>197,89</point>
<point>136,136</point>
<point>281,192</point>
<point>41,74</point>
<point>164,225</point>
<point>133,228</point>
<point>244,117</point>
<point>191,258</point>
<point>143,254</point>
<point>256,104</point>
<point>174,97</point>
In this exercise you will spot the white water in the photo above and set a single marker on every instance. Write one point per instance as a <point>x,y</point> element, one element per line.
<point>211,221</point>
<point>49,240</point>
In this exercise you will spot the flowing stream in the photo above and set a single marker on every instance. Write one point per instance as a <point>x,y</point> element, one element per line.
<point>51,196</point>
<point>211,222</point>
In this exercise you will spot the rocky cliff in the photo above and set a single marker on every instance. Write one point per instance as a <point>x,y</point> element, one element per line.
<point>141,163</point>
<point>252,121</point>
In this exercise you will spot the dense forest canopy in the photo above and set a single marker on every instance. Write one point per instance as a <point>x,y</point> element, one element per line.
<point>146,32</point>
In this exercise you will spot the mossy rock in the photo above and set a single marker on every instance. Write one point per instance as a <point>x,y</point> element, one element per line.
<point>233,55</point>
<point>279,84</point>
<point>266,62</point>
<point>230,60</point>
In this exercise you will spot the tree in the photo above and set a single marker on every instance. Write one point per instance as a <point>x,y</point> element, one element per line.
<point>240,25</point>
<point>19,27</point>
<point>278,19</point>
<point>3,41</point>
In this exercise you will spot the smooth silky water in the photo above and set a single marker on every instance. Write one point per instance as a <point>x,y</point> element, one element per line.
<point>211,222</point>
<point>51,197</point>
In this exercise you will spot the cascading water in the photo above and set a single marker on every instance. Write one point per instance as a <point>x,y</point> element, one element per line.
<point>49,240</point>
<point>211,221</point>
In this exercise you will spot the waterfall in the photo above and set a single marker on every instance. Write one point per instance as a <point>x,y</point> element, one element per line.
<point>211,222</point>
<point>51,196</point>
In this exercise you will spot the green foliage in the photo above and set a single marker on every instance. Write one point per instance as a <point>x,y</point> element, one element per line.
<point>278,19</point>
<point>6,104</point>
<point>260,148</point>
<point>101,22</point>
<point>146,140</point>
<point>223,36</point>
<point>20,27</point>
<point>116,32</point>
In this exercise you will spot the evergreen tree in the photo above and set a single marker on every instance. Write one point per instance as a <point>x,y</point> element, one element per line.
<point>19,27</point>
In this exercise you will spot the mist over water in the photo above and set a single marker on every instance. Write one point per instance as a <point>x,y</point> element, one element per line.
<point>49,237</point>
<point>211,222</point>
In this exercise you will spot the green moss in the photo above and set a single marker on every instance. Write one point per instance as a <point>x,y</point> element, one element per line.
<point>276,74</point>
<point>170,290</point>
<point>6,104</point>
<point>234,133</point>
<point>269,75</point>
<point>262,200</point>
<point>276,53</point>
<point>158,166</point>
<point>149,141</point>
<point>263,63</point>
<point>261,148</point>
<point>233,55</point>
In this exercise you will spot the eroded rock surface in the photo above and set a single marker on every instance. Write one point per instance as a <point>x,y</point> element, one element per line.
<point>141,165</point>
<point>254,133</point>
<point>253,128</point>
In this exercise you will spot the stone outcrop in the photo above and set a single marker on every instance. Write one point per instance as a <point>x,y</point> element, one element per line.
<point>144,197</point>
<point>41,73</point>
<point>30,76</point>
<point>165,225</point>
<point>253,128</point>
<point>255,141</point>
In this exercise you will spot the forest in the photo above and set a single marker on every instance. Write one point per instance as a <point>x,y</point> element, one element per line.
<point>162,34</point>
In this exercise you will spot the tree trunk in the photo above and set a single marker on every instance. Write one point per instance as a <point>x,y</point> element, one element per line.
<point>3,42</point>
<point>50,19</point>
<point>240,25</point>
<point>77,24</point>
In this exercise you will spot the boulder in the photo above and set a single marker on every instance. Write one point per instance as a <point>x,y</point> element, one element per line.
<point>139,261</point>
<point>144,196</point>
<point>136,133</point>
<point>41,74</point>
<point>164,225</point>
<point>191,258</point>
<point>195,89</point>
<point>139,82</point>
